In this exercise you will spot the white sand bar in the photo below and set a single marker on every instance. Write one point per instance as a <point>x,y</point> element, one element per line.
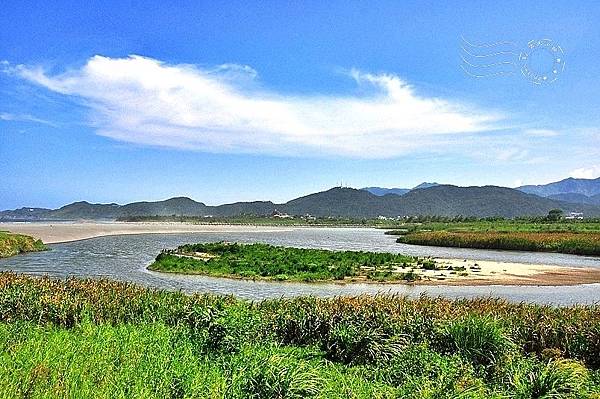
<point>51,232</point>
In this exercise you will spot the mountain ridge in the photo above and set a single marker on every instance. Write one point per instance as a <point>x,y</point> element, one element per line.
<point>381,191</point>
<point>587,187</point>
<point>438,200</point>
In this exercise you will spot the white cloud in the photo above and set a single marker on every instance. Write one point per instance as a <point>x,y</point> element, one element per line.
<point>145,101</point>
<point>591,172</point>
<point>8,117</point>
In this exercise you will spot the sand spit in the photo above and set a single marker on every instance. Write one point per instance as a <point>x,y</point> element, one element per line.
<point>52,233</point>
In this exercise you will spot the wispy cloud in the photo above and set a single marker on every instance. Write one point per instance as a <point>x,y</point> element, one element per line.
<point>590,172</point>
<point>146,101</point>
<point>9,117</point>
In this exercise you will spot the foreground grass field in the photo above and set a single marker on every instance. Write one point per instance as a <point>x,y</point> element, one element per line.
<point>104,339</point>
<point>13,244</point>
<point>263,261</point>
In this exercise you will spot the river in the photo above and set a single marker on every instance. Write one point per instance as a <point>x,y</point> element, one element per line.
<point>125,257</point>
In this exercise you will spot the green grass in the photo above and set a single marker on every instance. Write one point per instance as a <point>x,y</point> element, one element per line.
<point>572,237</point>
<point>563,242</point>
<point>13,244</point>
<point>104,339</point>
<point>263,261</point>
<point>500,226</point>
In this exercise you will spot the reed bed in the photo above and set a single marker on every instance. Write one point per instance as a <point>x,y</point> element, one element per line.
<point>101,338</point>
<point>563,242</point>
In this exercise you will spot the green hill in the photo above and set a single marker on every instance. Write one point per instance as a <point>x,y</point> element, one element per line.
<point>438,200</point>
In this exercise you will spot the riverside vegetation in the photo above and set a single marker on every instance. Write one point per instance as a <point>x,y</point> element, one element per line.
<point>103,339</point>
<point>568,243</point>
<point>264,261</point>
<point>539,234</point>
<point>13,244</point>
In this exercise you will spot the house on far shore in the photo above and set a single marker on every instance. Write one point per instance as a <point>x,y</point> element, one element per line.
<point>574,215</point>
<point>277,214</point>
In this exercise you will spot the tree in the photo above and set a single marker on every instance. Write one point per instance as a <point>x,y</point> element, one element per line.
<point>554,215</point>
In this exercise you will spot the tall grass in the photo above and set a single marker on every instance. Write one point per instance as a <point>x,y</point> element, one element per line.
<point>569,243</point>
<point>99,338</point>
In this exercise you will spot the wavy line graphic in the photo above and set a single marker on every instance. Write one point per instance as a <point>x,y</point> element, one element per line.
<point>484,60</point>
<point>487,45</point>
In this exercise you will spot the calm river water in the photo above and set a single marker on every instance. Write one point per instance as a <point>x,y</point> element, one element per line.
<point>125,257</point>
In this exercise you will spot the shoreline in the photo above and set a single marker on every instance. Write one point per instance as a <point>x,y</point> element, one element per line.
<point>516,274</point>
<point>491,273</point>
<point>62,232</point>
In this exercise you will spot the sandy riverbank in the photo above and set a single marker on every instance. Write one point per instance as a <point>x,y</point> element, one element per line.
<point>52,233</point>
<point>484,272</point>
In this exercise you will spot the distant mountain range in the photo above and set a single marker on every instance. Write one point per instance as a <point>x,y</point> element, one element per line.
<point>582,191</point>
<point>441,200</point>
<point>576,198</point>
<point>380,191</point>
<point>579,191</point>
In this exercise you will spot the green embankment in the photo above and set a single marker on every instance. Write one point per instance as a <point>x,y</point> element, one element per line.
<point>263,261</point>
<point>568,243</point>
<point>105,339</point>
<point>571,237</point>
<point>500,226</point>
<point>13,244</point>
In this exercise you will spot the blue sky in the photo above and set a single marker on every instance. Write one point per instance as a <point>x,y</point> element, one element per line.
<point>123,101</point>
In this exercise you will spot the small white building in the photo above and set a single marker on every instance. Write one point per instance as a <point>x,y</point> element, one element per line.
<point>280,215</point>
<point>574,215</point>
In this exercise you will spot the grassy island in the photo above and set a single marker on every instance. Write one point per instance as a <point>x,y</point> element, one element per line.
<point>105,339</point>
<point>13,244</point>
<point>263,261</point>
